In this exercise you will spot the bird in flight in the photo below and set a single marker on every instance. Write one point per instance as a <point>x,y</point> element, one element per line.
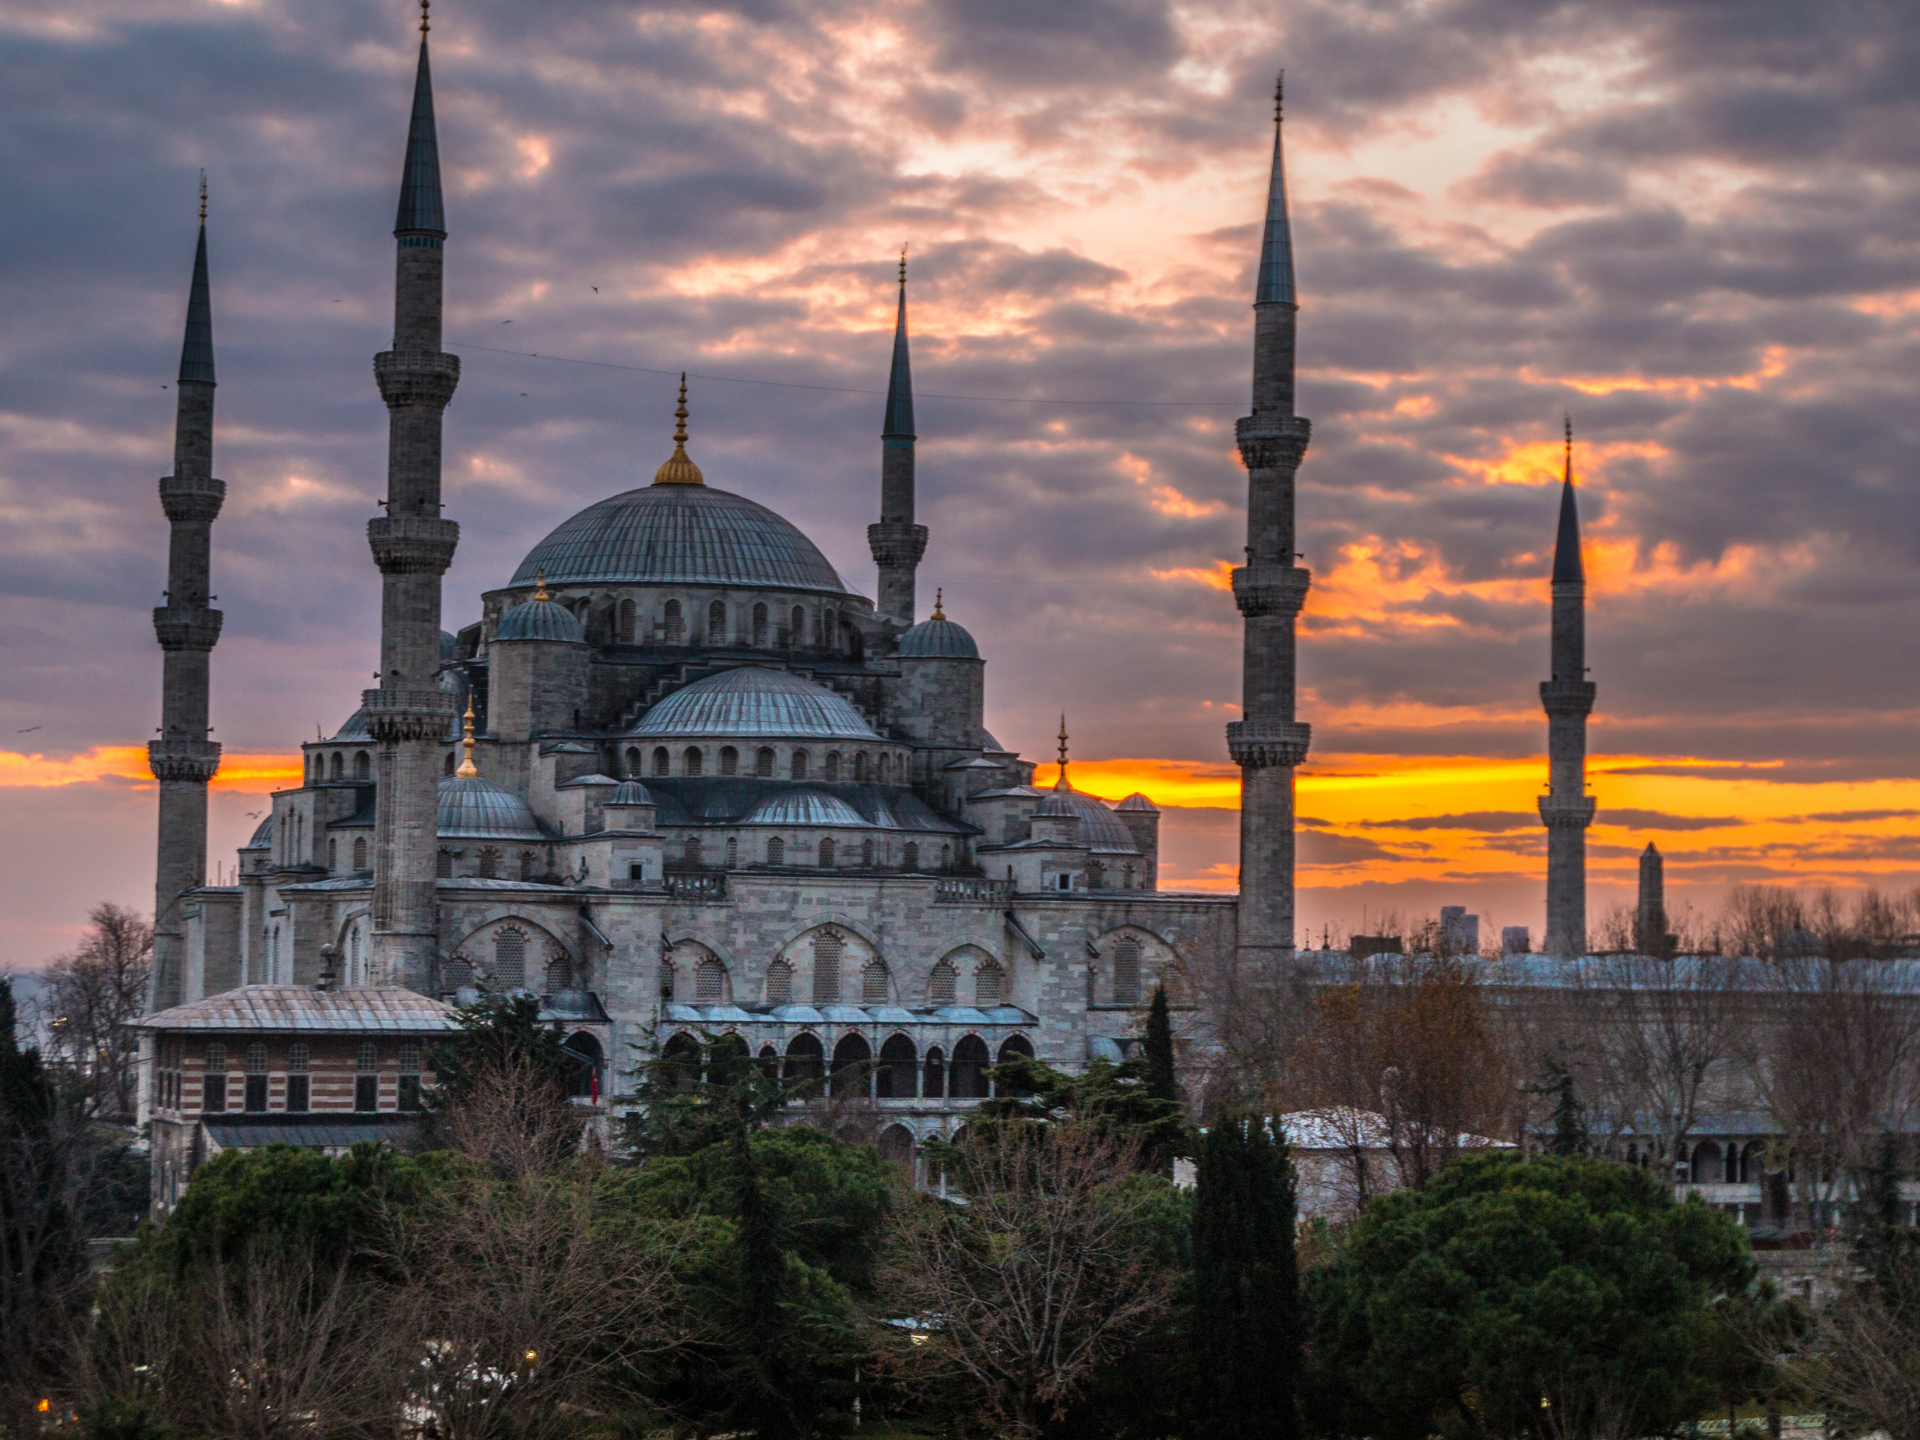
<point>594,288</point>
<point>28,731</point>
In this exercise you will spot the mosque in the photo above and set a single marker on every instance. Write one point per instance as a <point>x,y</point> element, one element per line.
<point>682,781</point>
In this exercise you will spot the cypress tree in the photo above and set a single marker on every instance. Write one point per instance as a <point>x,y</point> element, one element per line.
<point>1569,1119</point>
<point>1246,1328</point>
<point>1159,1050</point>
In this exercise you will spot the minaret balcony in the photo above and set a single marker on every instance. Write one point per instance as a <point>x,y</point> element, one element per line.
<point>416,377</point>
<point>408,714</point>
<point>1271,589</point>
<point>1567,699</point>
<point>412,544</point>
<point>1566,812</point>
<point>1272,444</point>
<point>187,627</point>
<point>895,545</point>
<point>1264,744</point>
<point>190,498</point>
<point>176,758</point>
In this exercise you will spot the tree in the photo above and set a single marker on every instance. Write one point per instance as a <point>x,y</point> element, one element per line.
<point>1569,1116</point>
<point>1543,1297</point>
<point>1245,1330</point>
<point>1114,1100</point>
<point>503,1085</point>
<point>1162,1084</point>
<point>92,994</point>
<point>1047,1270</point>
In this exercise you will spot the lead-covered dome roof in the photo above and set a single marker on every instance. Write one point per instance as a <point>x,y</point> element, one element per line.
<point>475,809</point>
<point>1099,827</point>
<point>679,535</point>
<point>540,620</point>
<point>937,639</point>
<point>752,703</point>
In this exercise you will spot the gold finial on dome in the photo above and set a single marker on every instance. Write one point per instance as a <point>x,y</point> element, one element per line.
<point>467,770</point>
<point>540,591</point>
<point>938,613</point>
<point>424,26</point>
<point>1061,783</point>
<point>678,469</point>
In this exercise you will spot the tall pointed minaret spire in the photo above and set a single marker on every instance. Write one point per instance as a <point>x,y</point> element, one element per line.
<point>409,715</point>
<point>1267,742</point>
<point>1566,809</point>
<point>183,759</point>
<point>897,543</point>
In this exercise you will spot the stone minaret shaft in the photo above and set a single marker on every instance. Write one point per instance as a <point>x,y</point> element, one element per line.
<point>1650,916</point>
<point>409,715</point>
<point>1267,742</point>
<point>897,543</point>
<point>183,758</point>
<point>1566,809</point>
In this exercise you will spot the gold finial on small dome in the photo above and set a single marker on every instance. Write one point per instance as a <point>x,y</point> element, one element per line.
<point>938,613</point>
<point>467,770</point>
<point>540,591</point>
<point>1061,783</point>
<point>678,469</point>
<point>903,264</point>
<point>203,197</point>
<point>424,26</point>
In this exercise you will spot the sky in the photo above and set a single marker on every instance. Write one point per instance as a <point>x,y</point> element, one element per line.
<point>1691,226</point>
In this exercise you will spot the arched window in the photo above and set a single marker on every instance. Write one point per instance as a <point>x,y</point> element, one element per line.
<point>1706,1160</point>
<point>970,1062</point>
<point>717,623</point>
<point>893,1078</point>
<point>833,764</point>
<point>710,982</point>
<point>896,1141</point>
<point>444,865</point>
<point>763,762</point>
<point>626,622</point>
<point>776,851</point>
<point>733,852</point>
<point>866,854</point>
<point>989,984</point>
<point>910,856</point>
<point>852,1061</point>
<point>633,760</point>
<point>797,635</point>
<point>339,766</point>
<point>662,762</point>
<point>694,759</point>
<point>826,854</point>
<point>779,983</point>
<point>934,1087</point>
<point>559,975</point>
<point>680,1061</point>
<point>446,765</point>
<point>943,984</point>
<point>691,850</point>
<point>529,863</point>
<point>666,981</point>
<point>359,852</point>
<point>799,764</point>
<point>510,959</point>
<point>860,765</point>
<point>1014,1046</point>
<point>333,853</point>
<point>1126,876</point>
<point>256,1059</point>
<point>828,951</point>
<point>760,625</point>
<point>729,760</point>
<point>676,627</point>
<point>829,627</point>
<point>805,1059</point>
<point>362,766</point>
<point>873,983</point>
<point>489,863</point>
<point>1126,972</point>
<point>946,857</point>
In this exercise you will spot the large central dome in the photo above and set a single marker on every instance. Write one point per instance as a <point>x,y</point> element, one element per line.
<point>682,534</point>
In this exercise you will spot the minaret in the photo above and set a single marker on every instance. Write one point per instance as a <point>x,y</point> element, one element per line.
<point>183,758</point>
<point>897,543</point>
<point>1650,917</point>
<point>409,715</point>
<point>1267,742</point>
<point>1566,809</point>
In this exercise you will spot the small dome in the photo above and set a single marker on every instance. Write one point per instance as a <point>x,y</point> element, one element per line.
<point>630,792</point>
<point>1137,803</point>
<point>581,781</point>
<point>477,809</point>
<point>449,644</point>
<point>354,729</point>
<point>540,620</point>
<point>1100,828</point>
<point>938,639</point>
<point>1056,807</point>
<point>804,807</point>
<point>263,834</point>
<point>752,703</point>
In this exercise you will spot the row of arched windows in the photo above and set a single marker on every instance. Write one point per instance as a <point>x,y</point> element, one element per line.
<point>728,761</point>
<point>826,854</point>
<point>359,853</point>
<point>506,967</point>
<point>322,767</point>
<point>899,1072</point>
<point>490,863</point>
<point>757,626</point>
<point>830,981</point>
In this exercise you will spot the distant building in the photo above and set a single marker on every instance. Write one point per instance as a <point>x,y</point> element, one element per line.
<point>1516,940</point>
<point>1459,931</point>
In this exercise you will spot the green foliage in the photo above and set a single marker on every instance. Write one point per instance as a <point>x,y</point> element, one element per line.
<point>494,1035</point>
<point>118,1418</point>
<point>1569,1117</point>
<point>1246,1327</point>
<point>1113,1100</point>
<point>682,1108</point>
<point>1160,1079</point>
<point>1883,1246</point>
<point>1511,1285</point>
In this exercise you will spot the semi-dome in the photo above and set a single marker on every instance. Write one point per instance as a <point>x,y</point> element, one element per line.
<point>540,619</point>
<point>631,792</point>
<point>679,534</point>
<point>475,809</point>
<point>938,639</point>
<point>804,807</point>
<point>1099,827</point>
<point>753,703</point>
